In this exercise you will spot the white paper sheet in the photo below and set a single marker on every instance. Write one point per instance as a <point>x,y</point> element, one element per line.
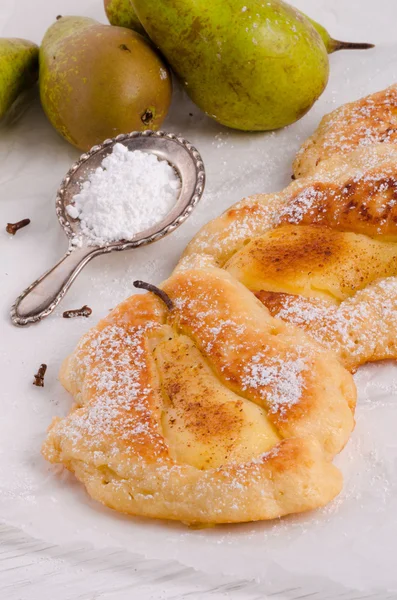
<point>351,543</point>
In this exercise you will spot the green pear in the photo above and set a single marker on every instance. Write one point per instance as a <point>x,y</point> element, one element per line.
<point>97,81</point>
<point>334,45</point>
<point>121,14</point>
<point>18,70</point>
<point>251,66</point>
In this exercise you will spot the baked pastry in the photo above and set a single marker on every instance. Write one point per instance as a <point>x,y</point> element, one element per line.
<point>361,329</point>
<point>371,120</point>
<point>211,412</point>
<point>322,254</point>
<point>207,407</point>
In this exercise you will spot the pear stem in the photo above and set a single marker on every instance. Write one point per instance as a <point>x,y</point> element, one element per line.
<point>337,45</point>
<point>155,290</point>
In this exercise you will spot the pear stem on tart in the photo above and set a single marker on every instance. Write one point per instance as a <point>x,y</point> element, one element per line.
<point>142,285</point>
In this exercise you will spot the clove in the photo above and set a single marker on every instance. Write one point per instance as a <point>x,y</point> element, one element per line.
<point>84,311</point>
<point>12,228</point>
<point>39,377</point>
<point>155,290</point>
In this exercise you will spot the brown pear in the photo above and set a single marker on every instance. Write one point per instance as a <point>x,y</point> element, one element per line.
<point>97,81</point>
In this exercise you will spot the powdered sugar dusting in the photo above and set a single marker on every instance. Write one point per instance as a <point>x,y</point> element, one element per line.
<point>113,367</point>
<point>349,329</point>
<point>279,380</point>
<point>355,193</point>
<point>309,199</point>
<point>371,120</point>
<point>131,192</point>
<point>275,376</point>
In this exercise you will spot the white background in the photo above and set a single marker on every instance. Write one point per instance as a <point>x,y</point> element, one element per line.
<point>33,160</point>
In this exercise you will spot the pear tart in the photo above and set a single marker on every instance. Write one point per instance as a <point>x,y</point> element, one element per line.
<point>322,254</point>
<point>211,412</point>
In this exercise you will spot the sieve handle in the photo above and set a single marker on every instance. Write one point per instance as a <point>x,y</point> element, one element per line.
<point>40,299</point>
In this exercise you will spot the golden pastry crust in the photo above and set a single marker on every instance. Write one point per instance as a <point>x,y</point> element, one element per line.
<point>361,329</point>
<point>346,210</point>
<point>355,193</point>
<point>214,412</point>
<point>371,120</point>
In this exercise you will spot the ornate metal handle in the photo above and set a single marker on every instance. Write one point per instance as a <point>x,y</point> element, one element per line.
<point>40,299</point>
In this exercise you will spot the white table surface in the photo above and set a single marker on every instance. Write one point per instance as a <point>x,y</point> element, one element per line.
<point>31,569</point>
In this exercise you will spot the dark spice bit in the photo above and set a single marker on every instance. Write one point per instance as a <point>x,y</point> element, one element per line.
<point>293,177</point>
<point>155,290</point>
<point>125,48</point>
<point>84,311</point>
<point>39,377</point>
<point>12,228</point>
<point>59,17</point>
